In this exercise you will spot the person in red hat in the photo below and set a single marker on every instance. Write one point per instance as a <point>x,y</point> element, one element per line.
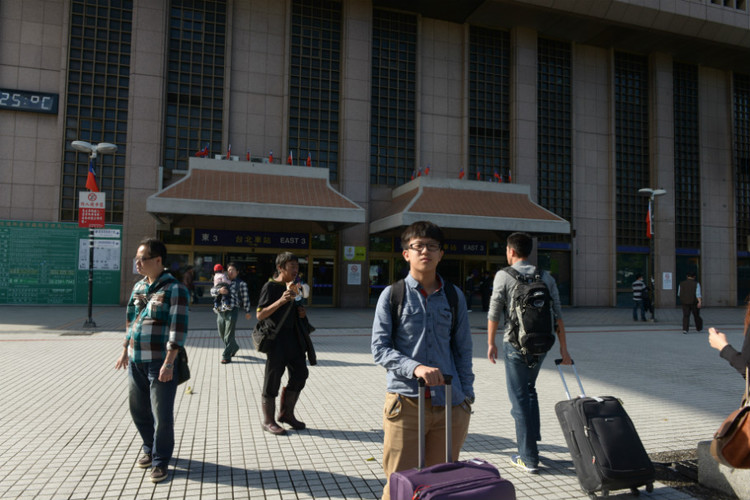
<point>221,280</point>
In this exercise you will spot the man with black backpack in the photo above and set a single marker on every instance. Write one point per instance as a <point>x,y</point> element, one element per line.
<point>527,301</point>
<point>421,330</point>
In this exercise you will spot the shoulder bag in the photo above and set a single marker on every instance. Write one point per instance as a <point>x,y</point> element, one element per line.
<point>266,330</point>
<point>731,443</point>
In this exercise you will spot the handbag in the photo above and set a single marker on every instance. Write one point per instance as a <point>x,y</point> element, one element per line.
<point>181,363</point>
<point>266,330</point>
<point>731,443</point>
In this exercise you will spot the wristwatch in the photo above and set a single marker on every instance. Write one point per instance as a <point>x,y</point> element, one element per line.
<point>168,366</point>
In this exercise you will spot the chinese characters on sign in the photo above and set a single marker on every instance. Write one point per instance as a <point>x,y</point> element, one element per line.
<point>257,239</point>
<point>91,209</point>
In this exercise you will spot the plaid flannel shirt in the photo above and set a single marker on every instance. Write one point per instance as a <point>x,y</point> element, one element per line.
<point>156,318</point>
<point>239,296</point>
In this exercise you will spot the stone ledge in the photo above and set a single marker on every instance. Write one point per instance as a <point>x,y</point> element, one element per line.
<point>720,477</point>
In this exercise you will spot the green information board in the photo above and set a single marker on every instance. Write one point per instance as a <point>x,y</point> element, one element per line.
<point>47,263</point>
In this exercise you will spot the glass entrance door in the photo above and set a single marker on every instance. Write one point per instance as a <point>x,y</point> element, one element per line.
<point>322,281</point>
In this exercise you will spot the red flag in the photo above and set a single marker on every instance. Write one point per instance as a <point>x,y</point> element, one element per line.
<point>289,160</point>
<point>203,152</point>
<point>649,225</point>
<point>91,178</point>
<point>496,175</point>
<point>229,152</point>
<point>309,160</point>
<point>427,170</point>
<point>510,179</point>
<point>248,155</point>
<point>419,173</point>
<point>270,157</point>
<point>461,173</point>
<point>478,175</point>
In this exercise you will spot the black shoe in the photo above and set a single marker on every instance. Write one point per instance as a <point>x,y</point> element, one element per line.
<point>144,462</point>
<point>158,474</point>
<point>225,361</point>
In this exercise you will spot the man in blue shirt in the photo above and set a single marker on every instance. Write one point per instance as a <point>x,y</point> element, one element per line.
<point>421,347</point>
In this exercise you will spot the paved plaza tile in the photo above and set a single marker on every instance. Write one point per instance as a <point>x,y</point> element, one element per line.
<point>65,430</point>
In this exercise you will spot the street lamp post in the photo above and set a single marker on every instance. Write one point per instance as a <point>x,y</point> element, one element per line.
<point>92,150</point>
<point>652,194</point>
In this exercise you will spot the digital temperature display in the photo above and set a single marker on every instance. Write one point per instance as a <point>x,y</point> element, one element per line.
<point>24,100</point>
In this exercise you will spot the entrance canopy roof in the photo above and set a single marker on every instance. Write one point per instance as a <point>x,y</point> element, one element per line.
<point>465,204</point>
<point>255,190</point>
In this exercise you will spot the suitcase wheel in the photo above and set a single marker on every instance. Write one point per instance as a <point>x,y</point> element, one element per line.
<point>592,496</point>
<point>650,487</point>
<point>634,492</point>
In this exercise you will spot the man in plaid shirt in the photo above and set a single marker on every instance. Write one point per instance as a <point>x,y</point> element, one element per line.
<point>157,324</point>
<point>226,321</point>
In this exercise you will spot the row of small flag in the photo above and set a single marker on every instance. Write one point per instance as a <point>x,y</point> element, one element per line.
<point>203,153</point>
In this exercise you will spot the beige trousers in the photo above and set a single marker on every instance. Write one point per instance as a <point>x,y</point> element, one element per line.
<point>400,422</point>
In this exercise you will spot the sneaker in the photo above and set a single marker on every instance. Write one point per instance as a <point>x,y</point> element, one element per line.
<point>158,474</point>
<point>144,461</point>
<point>684,332</point>
<point>517,462</point>
<point>226,361</point>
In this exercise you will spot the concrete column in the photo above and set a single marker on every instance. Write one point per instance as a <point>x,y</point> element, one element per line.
<point>661,142</point>
<point>145,128</point>
<point>593,179</point>
<point>718,233</point>
<point>523,113</point>
<point>441,56</point>
<point>354,167</point>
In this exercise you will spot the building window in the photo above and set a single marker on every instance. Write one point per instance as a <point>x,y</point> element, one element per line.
<point>315,75</point>
<point>489,97</point>
<point>195,81</point>
<point>96,106</point>
<point>686,157</point>
<point>393,105</point>
<point>742,158</point>
<point>554,127</point>
<point>632,148</point>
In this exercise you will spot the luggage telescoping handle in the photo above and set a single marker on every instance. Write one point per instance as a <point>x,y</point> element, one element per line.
<point>558,362</point>
<point>448,421</point>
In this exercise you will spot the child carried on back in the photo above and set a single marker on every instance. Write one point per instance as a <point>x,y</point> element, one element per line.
<point>221,280</point>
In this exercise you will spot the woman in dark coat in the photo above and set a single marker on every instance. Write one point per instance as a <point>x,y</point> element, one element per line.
<point>277,302</point>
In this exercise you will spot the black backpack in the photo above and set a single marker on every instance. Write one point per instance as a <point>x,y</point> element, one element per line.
<point>398,291</point>
<point>530,313</point>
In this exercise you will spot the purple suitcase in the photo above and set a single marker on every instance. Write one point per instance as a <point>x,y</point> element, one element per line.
<point>465,480</point>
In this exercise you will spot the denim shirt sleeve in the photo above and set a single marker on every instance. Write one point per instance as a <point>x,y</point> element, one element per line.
<point>463,350</point>
<point>382,345</point>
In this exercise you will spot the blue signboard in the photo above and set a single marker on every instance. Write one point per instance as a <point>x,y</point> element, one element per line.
<point>252,239</point>
<point>464,247</point>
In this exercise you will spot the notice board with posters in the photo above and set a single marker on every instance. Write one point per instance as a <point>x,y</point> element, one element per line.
<point>41,263</point>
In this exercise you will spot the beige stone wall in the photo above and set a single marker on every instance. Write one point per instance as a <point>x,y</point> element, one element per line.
<point>32,49</point>
<point>718,276</point>
<point>593,252</point>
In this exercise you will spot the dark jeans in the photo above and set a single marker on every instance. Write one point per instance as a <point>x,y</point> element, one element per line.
<point>686,310</point>
<point>152,409</point>
<point>638,305</point>
<point>521,372</point>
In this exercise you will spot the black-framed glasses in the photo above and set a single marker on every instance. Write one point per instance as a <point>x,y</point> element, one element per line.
<point>142,260</point>
<point>418,247</point>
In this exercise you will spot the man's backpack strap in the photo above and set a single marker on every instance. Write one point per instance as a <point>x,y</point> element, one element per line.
<point>398,293</point>
<point>517,275</point>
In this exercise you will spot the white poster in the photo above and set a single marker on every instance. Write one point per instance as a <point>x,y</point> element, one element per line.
<point>106,255</point>
<point>354,274</point>
<point>666,280</point>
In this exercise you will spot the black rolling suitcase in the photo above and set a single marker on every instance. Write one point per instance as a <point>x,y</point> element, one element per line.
<point>606,450</point>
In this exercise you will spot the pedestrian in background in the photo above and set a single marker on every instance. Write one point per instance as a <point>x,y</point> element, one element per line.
<point>226,320</point>
<point>156,326</point>
<point>689,292</point>
<point>288,350</point>
<point>639,290</point>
